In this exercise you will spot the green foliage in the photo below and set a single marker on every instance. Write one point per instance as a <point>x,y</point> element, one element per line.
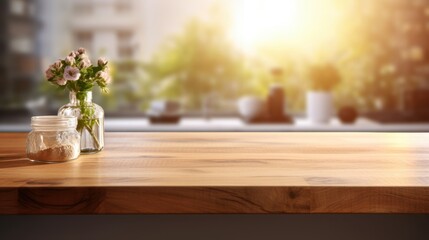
<point>196,63</point>
<point>130,90</point>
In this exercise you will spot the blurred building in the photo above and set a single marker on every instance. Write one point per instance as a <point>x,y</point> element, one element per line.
<point>117,29</point>
<point>19,48</point>
<point>104,27</point>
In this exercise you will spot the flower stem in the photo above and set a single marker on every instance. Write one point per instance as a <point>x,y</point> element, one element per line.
<point>91,132</point>
<point>87,118</point>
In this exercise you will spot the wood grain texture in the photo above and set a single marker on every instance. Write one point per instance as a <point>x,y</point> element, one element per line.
<point>224,173</point>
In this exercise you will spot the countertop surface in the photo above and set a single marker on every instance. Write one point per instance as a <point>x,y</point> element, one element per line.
<point>224,173</point>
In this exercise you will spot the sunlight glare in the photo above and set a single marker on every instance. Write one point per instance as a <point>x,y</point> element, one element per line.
<point>301,23</point>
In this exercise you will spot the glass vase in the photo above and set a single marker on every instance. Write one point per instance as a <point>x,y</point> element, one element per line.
<point>90,120</point>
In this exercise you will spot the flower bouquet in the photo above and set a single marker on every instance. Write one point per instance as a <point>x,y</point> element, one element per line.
<point>77,74</point>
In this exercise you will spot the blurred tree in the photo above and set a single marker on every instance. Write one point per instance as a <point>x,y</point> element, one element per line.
<point>197,63</point>
<point>395,56</point>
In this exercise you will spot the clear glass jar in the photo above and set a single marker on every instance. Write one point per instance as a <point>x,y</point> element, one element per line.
<point>90,120</point>
<point>53,139</point>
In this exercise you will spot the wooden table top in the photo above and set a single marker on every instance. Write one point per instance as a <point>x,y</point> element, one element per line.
<point>224,173</point>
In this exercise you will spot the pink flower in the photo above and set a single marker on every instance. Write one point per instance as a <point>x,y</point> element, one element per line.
<point>81,50</point>
<point>73,54</point>
<point>61,81</point>
<point>48,73</point>
<point>104,76</point>
<point>108,79</point>
<point>85,62</point>
<point>69,60</point>
<point>71,73</point>
<point>57,65</point>
<point>102,62</point>
<point>83,56</point>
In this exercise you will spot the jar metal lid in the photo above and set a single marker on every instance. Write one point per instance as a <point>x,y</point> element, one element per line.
<point>53,121</point>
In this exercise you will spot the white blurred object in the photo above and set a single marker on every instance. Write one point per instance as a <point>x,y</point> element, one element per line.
<point>319,107</point>
<point>17,7</point>
<point>37,106</point>
<point>250,107</point>
<point>22,45</point>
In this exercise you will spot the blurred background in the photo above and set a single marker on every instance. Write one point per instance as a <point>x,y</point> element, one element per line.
<point>205,55</point>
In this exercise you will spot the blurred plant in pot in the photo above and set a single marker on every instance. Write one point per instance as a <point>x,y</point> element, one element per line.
<point>322,79</point>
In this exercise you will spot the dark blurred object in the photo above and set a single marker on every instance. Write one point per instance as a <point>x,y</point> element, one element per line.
<point>417,102</point>
<point>275,103</point>
<point>276,106</point>
<point>397,117</point>
<point>19,56</point>
<point>164,119</point>
<point>15,115</point>
<point>265,119</point>
<point>347,114</point>
<point>416,106</point>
